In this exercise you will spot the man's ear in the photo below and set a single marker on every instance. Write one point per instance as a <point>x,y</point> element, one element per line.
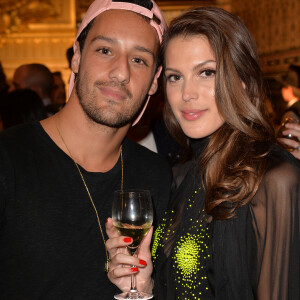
<point>76,58</point>
<point>154,84</point>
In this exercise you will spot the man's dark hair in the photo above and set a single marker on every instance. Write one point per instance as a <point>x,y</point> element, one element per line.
<point>144,3</point>
<point>82,37</point>
<point>69,55</point>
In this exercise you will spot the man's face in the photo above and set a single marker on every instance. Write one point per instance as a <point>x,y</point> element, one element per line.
<point>19,79</point>
<point>116,67</point>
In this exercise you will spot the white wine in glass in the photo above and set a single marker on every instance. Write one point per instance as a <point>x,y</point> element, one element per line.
<point>132,214</point>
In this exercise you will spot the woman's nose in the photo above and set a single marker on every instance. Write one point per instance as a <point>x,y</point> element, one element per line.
<point>189,91</point>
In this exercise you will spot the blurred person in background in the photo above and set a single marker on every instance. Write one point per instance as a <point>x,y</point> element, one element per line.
<point>58,94</point>
<point>291,89</point>
<point>3,89</point>
<point>3,83</point>
<point>21,106</point>
<point>36,77</point>
<point>288,133</point>
<point>274,102</point>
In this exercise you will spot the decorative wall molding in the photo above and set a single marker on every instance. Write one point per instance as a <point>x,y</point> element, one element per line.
<point>27,15</point>
<point>42,30</point>
<point>275,26</point>
<point>274,64</point>
<point>170,8</point>
<point>36,31</point>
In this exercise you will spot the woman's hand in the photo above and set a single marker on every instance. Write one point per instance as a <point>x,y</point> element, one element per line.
<point>293,129</point>
<point>120,265</point>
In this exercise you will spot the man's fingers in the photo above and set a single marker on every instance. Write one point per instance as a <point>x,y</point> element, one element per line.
<point>293,132</point>
<point>288,142</point>
<point>293,126</point>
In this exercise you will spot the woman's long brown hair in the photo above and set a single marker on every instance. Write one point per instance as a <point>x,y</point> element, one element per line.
<point>234,160</point>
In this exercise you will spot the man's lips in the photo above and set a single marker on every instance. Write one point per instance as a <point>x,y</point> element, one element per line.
<point>192,114</point>
<point>113,93</point>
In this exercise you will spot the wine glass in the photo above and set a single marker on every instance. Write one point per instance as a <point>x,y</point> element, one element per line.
<point>290,117</point>
<point>132,215</point>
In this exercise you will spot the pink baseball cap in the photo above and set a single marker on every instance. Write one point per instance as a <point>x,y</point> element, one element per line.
<point>152,11</point>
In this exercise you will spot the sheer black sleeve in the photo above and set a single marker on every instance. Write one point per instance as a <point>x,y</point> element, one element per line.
<point>275,214</point>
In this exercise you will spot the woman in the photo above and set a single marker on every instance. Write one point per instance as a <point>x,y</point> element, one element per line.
<point>232,227</point>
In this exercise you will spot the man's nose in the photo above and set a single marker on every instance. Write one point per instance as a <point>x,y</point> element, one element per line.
<point>120,70</point>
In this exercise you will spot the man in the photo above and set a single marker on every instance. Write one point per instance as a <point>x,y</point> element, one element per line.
<point>290,89</point>
<point>57,178</point>
<point>36,77</point>
<point>288,133</point>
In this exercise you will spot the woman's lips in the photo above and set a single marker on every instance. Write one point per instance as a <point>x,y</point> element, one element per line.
<point>114,94</point>
<point>192,114</point>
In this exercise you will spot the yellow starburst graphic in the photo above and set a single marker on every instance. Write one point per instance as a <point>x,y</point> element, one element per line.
<point>187,256</point>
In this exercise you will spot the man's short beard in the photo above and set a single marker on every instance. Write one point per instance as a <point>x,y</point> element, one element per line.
<point>94,113</point>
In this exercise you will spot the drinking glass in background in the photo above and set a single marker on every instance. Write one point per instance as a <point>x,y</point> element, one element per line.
<point>132,215</point>
<point>289,117</point>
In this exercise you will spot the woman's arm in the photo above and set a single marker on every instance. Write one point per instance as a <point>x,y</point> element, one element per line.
<point>276,223</point>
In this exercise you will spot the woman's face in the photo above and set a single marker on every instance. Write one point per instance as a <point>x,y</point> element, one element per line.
<point>190,84</point>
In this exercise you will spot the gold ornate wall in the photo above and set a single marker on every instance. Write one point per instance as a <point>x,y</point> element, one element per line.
<point>36,31</point>
<point>275,25</point>
<point>42,30</point>
<point>170,8</point>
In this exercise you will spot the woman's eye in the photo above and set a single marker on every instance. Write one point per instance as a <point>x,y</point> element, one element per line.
<point>208,73</point>
<point>173,78</point>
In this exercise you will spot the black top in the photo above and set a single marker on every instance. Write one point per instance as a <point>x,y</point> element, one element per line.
<point>50,244</point>
<point>254,255</point>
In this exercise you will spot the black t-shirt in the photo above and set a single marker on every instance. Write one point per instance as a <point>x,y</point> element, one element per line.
<point>50,243</point>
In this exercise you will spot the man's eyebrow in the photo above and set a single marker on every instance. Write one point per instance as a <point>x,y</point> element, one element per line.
<point>143,49</point>
<point>104,38</point>
<point>114,41</point>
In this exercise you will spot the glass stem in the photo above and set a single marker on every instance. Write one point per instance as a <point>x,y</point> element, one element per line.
<point>133,287</point>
